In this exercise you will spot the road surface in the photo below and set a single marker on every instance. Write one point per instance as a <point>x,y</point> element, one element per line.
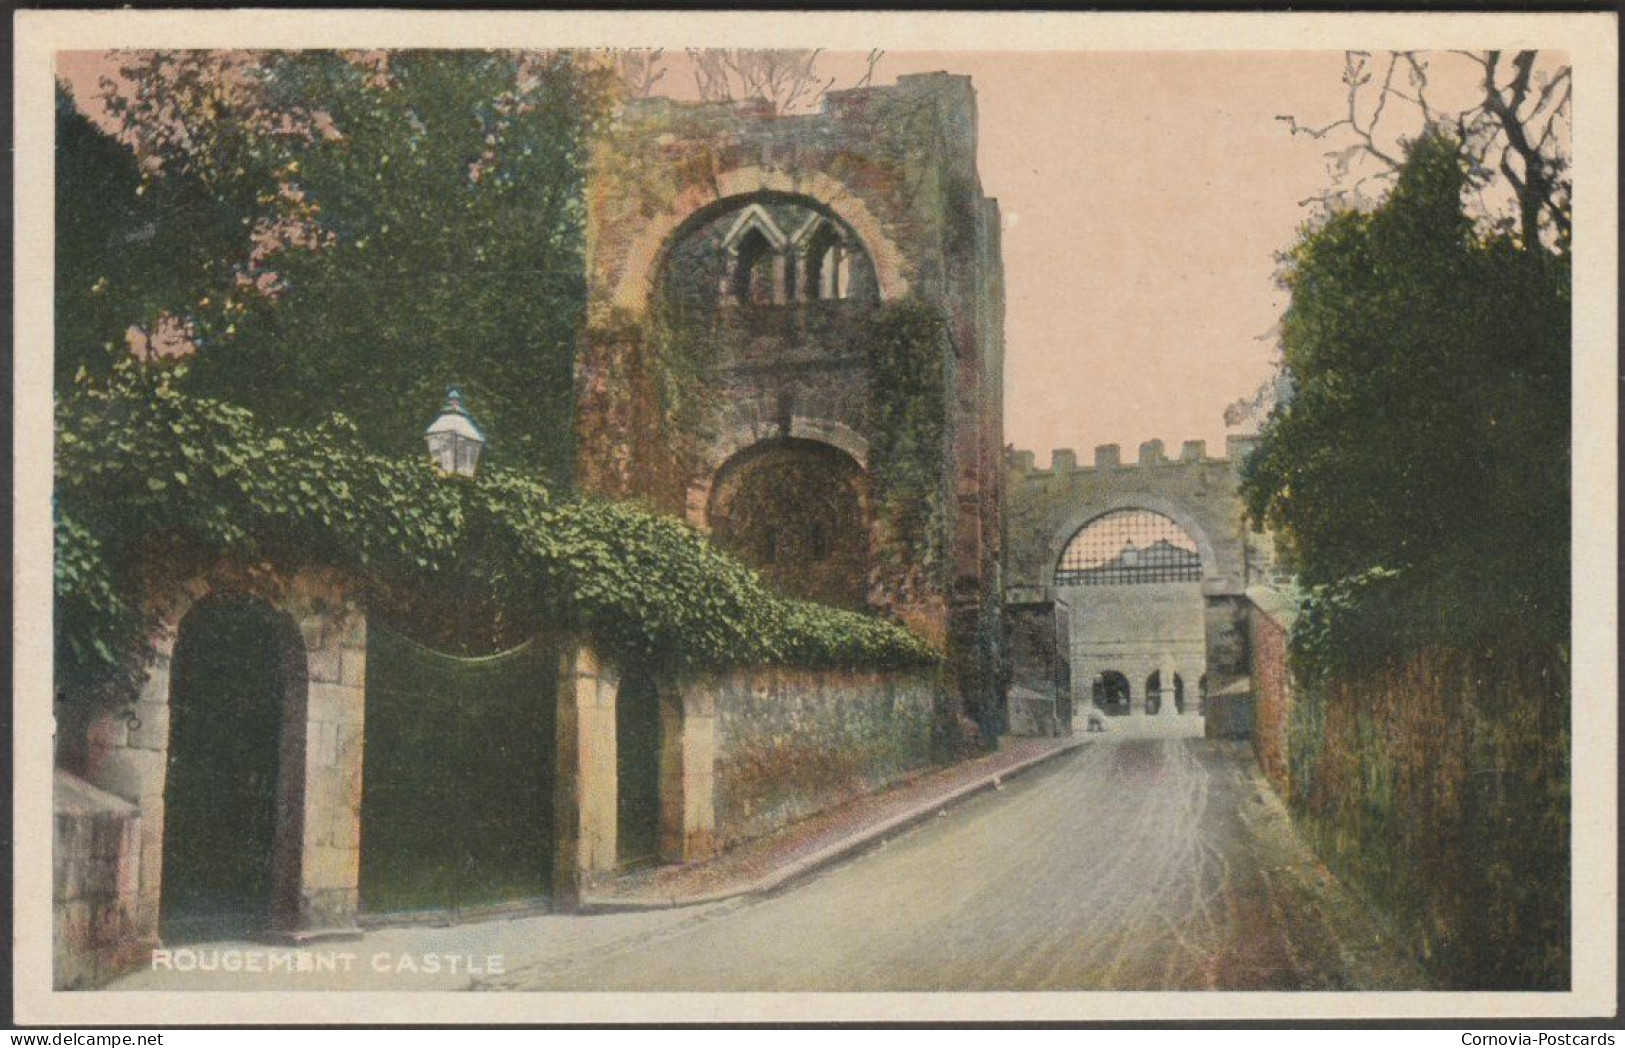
<point>1135,864</point>
<point>1130,863</point>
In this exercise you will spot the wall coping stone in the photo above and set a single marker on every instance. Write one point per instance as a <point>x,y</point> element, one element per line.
<point>1280,605</point>
<point>72,795</point>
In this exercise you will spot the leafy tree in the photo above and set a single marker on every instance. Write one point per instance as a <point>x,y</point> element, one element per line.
<point>136,250</point>
<point>1418,474</point>
<point>422,226</point>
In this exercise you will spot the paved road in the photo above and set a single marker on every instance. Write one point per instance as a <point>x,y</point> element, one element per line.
<point>1136,864</point>
<point>1128,864</point>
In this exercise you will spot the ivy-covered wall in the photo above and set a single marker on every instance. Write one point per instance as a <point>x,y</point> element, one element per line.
<point>153,485</point>
<point>1439,784</point>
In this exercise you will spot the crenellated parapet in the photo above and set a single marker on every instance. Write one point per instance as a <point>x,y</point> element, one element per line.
<point>1021,464</point>
<point>1046,506</point>
<point>1187,629</point>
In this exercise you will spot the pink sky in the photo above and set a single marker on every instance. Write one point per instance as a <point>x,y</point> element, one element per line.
<point>1145,196</point>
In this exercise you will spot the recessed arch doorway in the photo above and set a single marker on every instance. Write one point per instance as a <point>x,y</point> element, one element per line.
<point>233,787</point>
<point>796,511</point>
<point>1132,580</point>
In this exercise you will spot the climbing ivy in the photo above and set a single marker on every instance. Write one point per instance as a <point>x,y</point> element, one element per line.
<point>906,346</point>
<point>147,474</point>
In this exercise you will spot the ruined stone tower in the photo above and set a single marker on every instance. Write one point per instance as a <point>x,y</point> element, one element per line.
<point>795,341</point>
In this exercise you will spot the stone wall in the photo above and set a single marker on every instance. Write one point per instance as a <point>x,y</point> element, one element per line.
<point>1270,621</point>
<point>791,743</point>
<point>1046,507</point>
<point>1040,699</point>
<point>96,854</point>
<point>1440,786</point>
<point>1195,630</point>
<point>1138,630</point>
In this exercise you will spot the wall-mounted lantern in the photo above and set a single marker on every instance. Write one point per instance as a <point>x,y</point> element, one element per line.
<point>454,440</point>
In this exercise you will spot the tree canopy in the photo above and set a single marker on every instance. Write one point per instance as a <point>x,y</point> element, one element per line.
<point>134,253</point>
<point>402,222</point>
<point>1418,474</point>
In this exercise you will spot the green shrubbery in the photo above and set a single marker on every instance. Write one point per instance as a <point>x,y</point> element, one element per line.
<point>906,344</point>
<point>1418,475</point>
<point>147,474</point>
<point>1418,478</point>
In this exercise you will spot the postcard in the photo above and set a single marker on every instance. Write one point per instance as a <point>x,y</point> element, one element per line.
<point>600,517</point>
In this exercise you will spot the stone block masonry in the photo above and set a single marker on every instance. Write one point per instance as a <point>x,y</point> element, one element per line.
<point>741,753</point>
<point>1192,631</point>
<point>96,855</point>
<point>792,743</point>
<point>124,762</point>
<point>888,213</point>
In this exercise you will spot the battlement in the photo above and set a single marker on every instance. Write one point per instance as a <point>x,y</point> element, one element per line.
<point>1152,453</point>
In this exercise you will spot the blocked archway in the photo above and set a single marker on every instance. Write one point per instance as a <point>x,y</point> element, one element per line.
<point>796,511</point>
<point>768,249</point>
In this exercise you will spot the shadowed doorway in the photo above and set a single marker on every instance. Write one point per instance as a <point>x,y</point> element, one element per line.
<point>637,767</point>
<point>237,674</point>
<point>795,510</point>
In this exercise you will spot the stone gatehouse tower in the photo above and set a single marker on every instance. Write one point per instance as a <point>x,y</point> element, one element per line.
<point>1131,579</point>
<point>740,266</point>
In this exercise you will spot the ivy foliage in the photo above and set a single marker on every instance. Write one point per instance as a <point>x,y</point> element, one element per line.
<point>907,346</point>
<point>1418,476</point>
<point>149,474</point>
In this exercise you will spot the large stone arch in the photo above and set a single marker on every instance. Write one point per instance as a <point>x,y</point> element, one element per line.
<point>642,260</point>
<point>745,435</point>
<point>319,793</point>
<point>1077,520</point>
<point>1138,658</point>
<point>798,511</point>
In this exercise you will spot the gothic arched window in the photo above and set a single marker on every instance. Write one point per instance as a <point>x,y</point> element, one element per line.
<point>827,261</point>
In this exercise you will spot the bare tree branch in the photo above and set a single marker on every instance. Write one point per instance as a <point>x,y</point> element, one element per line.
<point>787,79</point>
<point>1521,117</point>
